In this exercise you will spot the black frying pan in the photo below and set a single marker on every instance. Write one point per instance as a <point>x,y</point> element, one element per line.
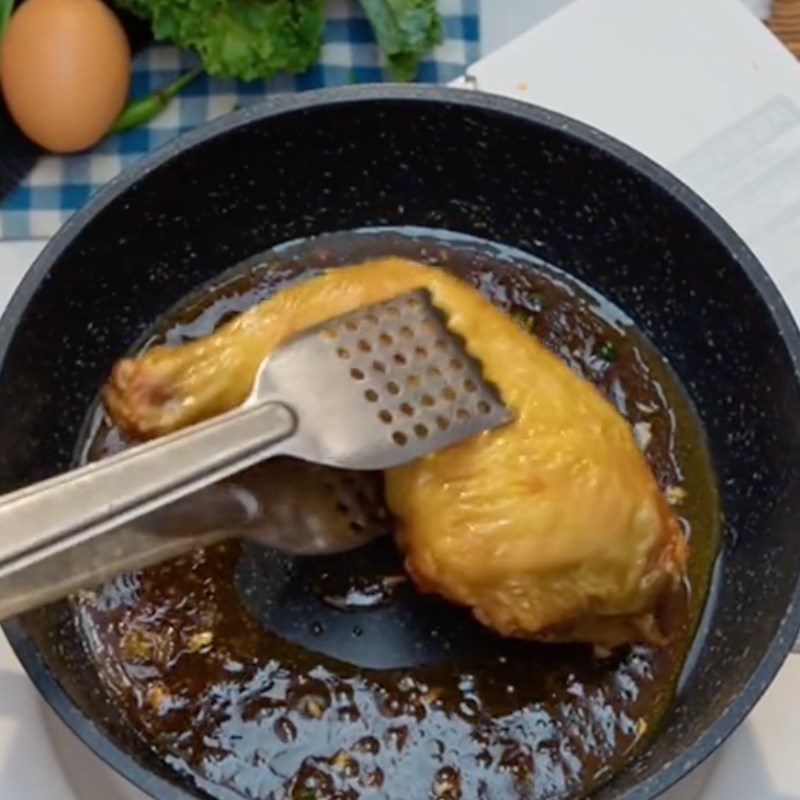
<point>441,159</point>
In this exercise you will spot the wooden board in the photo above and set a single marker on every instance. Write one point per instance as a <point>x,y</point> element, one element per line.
<point>785,23</point>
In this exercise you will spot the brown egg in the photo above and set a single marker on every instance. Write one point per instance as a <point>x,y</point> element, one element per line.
<point>64,71</point>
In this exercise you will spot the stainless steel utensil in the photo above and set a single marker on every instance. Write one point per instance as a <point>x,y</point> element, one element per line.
<point>370,390</point>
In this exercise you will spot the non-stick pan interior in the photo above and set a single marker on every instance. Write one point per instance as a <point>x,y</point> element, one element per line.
<point>504,172</point>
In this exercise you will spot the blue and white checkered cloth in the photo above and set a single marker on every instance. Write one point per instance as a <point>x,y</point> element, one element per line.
<point>58,185</point>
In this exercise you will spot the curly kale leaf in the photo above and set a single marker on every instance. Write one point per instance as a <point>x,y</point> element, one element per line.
<point>239,38</point>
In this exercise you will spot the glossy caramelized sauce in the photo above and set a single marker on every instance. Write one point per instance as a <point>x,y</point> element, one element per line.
<point>258,677</point>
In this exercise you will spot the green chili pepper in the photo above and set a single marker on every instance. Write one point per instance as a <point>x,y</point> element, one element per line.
<point>536,301</point>
<point>524,319</point>
<point>6,7</point>
<point>607,351</point>
<point>143,109</point>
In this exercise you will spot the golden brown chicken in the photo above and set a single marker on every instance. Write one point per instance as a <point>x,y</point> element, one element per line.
<point>551,527</point>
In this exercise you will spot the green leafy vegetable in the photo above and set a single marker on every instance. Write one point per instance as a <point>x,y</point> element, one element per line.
<point>257,38</point>
<point>239,38</point>
<point>405,30</point>
<point>143,109</point>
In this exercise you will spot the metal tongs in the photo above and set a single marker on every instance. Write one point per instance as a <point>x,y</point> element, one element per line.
<point>370,390</point>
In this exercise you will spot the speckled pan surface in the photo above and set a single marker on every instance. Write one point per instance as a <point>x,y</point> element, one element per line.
<point>437,158</point>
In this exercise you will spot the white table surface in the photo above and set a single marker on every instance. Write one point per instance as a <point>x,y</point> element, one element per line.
<point>759,763</point>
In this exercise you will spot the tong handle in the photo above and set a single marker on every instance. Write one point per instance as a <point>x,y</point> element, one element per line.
<point>213,514</point>
<point>42,522</point>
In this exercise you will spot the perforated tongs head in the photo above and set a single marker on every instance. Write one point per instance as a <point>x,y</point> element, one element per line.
<point>380,386</point>
<point>370,390</point>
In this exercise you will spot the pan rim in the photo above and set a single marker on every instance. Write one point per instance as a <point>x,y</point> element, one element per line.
<point>774,655</point>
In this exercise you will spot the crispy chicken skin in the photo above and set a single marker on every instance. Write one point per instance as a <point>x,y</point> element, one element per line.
<point>551,527</point>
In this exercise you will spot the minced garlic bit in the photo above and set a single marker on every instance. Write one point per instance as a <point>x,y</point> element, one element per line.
<point>643,433</point>
<point>156,695</point>
<point>432,695</point>
<point>198,641</point>
<point>675,495</point>
<point>137,645</point>
<point>314,708</point>
<point>406,683</point>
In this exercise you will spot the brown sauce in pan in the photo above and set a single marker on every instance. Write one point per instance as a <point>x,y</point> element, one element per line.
<point>244,711</point>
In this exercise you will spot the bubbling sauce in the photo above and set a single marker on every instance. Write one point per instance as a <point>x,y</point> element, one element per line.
<point>262,677</point>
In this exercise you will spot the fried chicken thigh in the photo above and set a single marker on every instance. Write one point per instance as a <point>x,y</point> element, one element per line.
<point>552,527</point>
